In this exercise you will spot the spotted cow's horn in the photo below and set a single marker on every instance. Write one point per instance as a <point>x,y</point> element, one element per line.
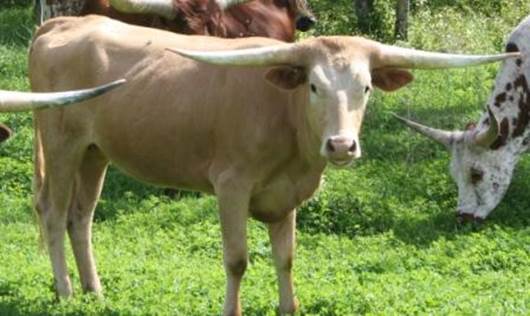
<point>487,137</point>
<point>445,138</point>
<point>11,101</point>
<point>163,8</point>
<point>398,57</point>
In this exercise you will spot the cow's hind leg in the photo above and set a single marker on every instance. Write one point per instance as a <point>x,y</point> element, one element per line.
<point>88,184</point>
<point>282,236</point>
<point>53,197</point>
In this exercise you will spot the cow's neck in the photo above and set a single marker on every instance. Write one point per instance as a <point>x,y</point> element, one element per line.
<point>510,103</point>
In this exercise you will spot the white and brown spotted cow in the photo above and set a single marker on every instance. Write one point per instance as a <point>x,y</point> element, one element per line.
<point>485,155</point>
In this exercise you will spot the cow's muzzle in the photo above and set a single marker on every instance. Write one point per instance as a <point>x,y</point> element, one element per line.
<point>305,22</point>
<point>341,150</point>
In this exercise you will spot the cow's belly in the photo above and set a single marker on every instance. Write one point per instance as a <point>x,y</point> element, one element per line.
<point>157,154</point>
<point>171,174</point>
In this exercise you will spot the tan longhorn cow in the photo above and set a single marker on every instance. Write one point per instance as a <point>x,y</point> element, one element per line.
<point>252,120</point>
<point>12,101</point>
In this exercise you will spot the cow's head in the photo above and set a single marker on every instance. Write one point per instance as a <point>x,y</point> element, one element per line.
<point>337,75</point>
<point>11,101</point>
<point>481,165</point>
<point>299,9</point>
<point>484,155</point>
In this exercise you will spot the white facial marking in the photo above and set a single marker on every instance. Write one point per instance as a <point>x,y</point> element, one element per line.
<point>338,97</point>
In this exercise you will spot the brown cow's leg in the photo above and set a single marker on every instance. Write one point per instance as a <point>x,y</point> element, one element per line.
<point>89,182</point>
<point>282,236</point>
<point>233,209</point>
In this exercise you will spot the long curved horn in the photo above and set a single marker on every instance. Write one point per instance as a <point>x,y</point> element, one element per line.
<point>162,8</point>
<point>445,138</point>
<point>393,56</point>
<point>24,101</point>
<point>487,137</point>
<point>261,56</point>
<point>225,4</point>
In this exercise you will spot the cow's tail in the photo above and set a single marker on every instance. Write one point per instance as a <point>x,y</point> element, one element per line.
<point>38,180</point>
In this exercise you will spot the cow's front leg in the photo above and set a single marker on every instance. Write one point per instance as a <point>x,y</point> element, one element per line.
<point>282,236</point>
<point>233,209</point>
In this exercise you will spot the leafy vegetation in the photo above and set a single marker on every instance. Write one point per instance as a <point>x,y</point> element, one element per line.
<point>379,238</point>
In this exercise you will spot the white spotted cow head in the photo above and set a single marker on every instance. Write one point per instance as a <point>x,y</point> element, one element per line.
<point>484,156</point>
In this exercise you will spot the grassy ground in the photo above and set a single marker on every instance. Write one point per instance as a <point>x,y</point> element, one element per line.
<point>379,238</point>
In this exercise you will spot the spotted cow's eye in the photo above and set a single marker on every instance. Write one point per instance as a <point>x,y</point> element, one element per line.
<point>476,175</point>
<point>367,89</point>
<point>313,88</point>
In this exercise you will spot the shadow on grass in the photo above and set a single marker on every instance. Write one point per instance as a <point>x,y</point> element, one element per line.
<point>12,303</point>
<point>121,193</point>
<point>17,24</point>
<point>416,211</point>
<point>422,232</point>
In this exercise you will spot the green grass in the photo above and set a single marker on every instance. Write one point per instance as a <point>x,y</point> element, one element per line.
<point>379,238</point>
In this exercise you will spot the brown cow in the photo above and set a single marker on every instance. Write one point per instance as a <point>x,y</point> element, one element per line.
<point>24,101</point>
<point>224,18</point>
<point>254,124</point>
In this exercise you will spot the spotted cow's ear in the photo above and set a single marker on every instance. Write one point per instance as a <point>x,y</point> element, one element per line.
<point>5,132</point>
<point>390,79</point>
<point>286,77</point>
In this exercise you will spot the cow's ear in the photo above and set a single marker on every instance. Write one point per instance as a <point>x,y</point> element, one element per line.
<point>286,77</point>
<point>390,79</point>
<point>5,132</point>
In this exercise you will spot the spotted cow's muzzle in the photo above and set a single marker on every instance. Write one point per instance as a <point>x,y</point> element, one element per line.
<point>462,218</point>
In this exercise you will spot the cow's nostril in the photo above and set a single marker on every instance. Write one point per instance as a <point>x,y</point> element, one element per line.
<point>329,146</point>
<point>353,147</point>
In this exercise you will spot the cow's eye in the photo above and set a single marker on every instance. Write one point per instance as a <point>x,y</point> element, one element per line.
<point>313,88</point>
<point>367,89</point>
<point>476,175</point>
